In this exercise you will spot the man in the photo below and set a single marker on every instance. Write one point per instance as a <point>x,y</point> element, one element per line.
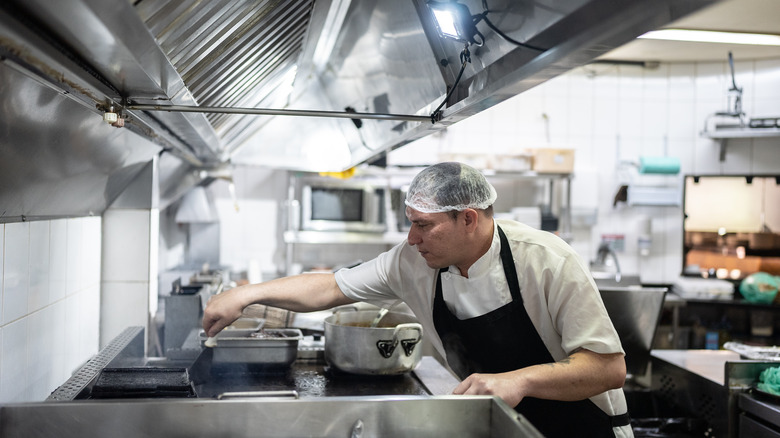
<point>512,309</point>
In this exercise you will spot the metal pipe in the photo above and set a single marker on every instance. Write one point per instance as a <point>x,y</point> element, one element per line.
<point>278,112</point>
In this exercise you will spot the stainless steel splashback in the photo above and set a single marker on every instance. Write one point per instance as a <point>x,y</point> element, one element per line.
<point>57,159</point>
<point>371,56</point>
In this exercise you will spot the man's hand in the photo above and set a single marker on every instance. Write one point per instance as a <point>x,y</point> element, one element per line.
<point>221,311</point>
<point>504,385</point>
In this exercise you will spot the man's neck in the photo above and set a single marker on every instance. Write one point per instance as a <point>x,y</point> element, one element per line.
<point>483,241</point>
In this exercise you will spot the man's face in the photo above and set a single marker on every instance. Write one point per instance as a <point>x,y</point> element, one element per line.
<point>436,236</point>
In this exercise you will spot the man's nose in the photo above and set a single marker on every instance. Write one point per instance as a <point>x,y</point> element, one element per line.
<point>413,237</point>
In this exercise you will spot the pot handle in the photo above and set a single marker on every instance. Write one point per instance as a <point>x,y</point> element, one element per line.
<point>345,307</point>
<point>386,347</point>
<point>340,309</point>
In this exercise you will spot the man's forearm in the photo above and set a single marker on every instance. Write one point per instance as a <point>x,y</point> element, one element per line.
<point>579,376</point>
<point>300,293</point>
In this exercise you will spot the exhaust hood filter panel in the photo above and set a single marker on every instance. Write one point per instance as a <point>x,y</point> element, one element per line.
<point>230,54</point>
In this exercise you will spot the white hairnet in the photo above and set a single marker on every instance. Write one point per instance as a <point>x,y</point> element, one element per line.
<point>450,187</point>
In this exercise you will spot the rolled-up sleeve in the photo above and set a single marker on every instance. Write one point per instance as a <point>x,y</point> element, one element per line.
<point>579,313</point>
<point>370,281</point>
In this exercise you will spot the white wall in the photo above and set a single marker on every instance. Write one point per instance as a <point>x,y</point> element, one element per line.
<point>50,311</point>
<point>128,277</point>
<point>608,114</point>
<point>254,233</point>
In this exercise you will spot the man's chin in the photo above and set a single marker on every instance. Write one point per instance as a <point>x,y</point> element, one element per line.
<point>434,265</point>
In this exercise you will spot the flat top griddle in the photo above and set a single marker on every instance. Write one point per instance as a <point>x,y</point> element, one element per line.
<point>307,378</point>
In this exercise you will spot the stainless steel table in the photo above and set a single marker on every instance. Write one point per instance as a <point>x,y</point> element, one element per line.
<point>759,417</point>
<point>694,382</point>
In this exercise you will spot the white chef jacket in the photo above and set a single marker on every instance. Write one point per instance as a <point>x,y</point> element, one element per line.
<point>558,293</point>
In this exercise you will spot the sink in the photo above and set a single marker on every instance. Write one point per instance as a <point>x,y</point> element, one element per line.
<point>635,312</point>
<point>608,280</point>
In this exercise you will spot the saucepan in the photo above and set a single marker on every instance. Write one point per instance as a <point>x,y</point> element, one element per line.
<point>353,346</point>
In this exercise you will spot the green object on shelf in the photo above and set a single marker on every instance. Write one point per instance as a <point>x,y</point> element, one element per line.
<point>759,288</point>
<point>769,380</point>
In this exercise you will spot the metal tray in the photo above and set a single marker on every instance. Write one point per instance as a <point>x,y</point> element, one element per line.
<point>242,327</point>
<point>770,354</point>
<point>276,347</point>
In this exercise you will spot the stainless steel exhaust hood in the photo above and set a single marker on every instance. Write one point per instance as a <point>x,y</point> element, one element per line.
<point>76,59</point>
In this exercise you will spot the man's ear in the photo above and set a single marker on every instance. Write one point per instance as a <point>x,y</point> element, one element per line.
<point>470,218</point>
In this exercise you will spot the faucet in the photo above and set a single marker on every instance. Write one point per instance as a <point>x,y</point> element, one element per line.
<point>604,251</point>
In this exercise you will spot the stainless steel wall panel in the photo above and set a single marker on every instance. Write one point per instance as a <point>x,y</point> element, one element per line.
<point>58,158</point>
<point>109,42</point>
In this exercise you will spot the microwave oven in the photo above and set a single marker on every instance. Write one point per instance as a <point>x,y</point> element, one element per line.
<point>342,206</point>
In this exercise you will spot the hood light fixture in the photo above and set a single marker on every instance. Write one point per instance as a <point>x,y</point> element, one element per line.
<point>454,21</point>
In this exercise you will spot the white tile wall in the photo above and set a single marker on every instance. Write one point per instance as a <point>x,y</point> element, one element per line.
<point>128,302</point>
<point>244,236</point>
<point>74,260</point>
<point>607,114</point>
<point>50,288</point>
<point>254,232</point>
<point>128,231</point>
<point>613,113</point>
<point>125,285</point>
<point>39,265</point>
<point>58,268</point>
<point>13,376</point>
<point>15,276</point>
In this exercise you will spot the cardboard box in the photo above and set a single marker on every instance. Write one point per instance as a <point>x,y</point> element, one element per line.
<point>550,160</point>
<point>512,163</point>
<point>496,162</point>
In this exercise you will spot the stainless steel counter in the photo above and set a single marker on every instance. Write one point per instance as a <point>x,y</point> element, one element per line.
<point>716,385</point>
<point>306,400</point>
<point>708,364</point>
<point>693,382</point>
<point>760,416</point>
<point>445,416</point>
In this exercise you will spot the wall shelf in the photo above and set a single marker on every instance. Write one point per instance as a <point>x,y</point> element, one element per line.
<point>395,178</point>
<point>723,135</point>
<point>336,237</point>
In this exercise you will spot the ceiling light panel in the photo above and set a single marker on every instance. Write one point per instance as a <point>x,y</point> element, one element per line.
<point>705,36</point>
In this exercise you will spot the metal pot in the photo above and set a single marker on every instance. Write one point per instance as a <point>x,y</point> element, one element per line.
<point>352,346</point>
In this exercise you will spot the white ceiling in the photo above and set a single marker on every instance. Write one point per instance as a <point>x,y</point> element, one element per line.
<point>753,16</point>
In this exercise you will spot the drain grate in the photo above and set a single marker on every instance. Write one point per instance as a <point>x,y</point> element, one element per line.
<point>78,381</point>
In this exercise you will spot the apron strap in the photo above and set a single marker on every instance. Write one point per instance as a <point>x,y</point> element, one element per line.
<point>620,420</point>
<point>509,267</point>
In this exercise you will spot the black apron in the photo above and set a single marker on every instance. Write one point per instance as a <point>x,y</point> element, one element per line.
<point>506,340</point>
